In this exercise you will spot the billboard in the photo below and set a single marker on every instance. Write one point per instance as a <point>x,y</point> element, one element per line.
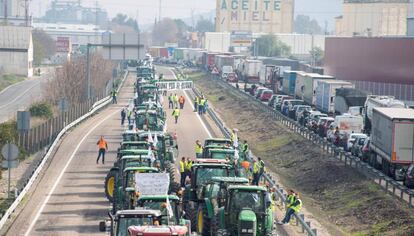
<point>63,44</point>
<point>241,39</point>
<point>257,16</point>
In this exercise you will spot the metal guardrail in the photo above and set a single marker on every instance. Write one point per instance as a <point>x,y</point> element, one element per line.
<point>398,190</point>
<point>102,103</point>
<point>280,193</point>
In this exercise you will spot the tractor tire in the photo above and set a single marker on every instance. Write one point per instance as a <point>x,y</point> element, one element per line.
<point>192,216</point>
<point>110,181</point>
<point>174,187</point>
<point>169,167</point>
<point>222,232</point>
<point>214,226</point>
<point>203,222</point>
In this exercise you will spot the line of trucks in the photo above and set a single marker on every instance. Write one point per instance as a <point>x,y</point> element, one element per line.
<point>217,198</point>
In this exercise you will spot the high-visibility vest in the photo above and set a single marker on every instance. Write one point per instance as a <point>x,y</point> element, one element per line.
<point>176,112</point>
<point>188,165</point>
<point>202,102</point>
<point>298,205</point>
<point>196,100</point>
<point>175,98</point>
<point>102,144</point>
<point>256,168</point>
<point>182,166</point>
<point>233,137</point>
<point>198,148</point>
<point>289,200</point>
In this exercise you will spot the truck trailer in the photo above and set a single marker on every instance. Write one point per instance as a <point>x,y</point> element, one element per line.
<point>392,140</point>
<point>348,97</point>
<point>251,70</point>
<point>326,92</point>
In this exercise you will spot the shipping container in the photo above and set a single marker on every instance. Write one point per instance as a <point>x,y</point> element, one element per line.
<point>392,140</point>
<point>251,70</point>
<point>154,51</point>
<point>308,86</point>
<point>164,52</point>
<point>289,81</point>
<point>326,92</point>
<point>349,97</point>
<point>179,54</point>
<point>285,62</point>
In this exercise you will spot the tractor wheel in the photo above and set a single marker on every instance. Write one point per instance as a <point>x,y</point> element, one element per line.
<point>174,187</point>
<point>169,167</point>
<point>203,222</point>
<point>222,232</point>
<point>214,225</point>
<point>110,185</point>
<point>192,216</point>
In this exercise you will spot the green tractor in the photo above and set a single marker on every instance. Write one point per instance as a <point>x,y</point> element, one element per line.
<point>201,173</point>
<point>146,92</point>
<point>126,146</point>
<point>158,202</point>
<point>144,72</point>
<point>124,195</point>
<point>212,195</point>
<point>246,210</point>
<point>130,135</point>
<point>206,149</point>
<point>149,120</point>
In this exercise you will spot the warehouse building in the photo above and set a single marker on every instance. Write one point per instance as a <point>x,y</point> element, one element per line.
<point>270,16</point>
<point>373,18</point>
<point>381,66</point>
<point>16,50</point>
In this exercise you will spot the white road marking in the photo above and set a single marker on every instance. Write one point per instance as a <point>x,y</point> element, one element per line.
<point>28,231</point>
<point>192,105</point>
<point>23,93</point>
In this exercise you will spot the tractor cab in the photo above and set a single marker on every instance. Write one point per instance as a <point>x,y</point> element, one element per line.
<point>222,154</point>
<point>159,202</point>
<point>120,221</point>
<point>149,120</point>
<point>137,161</point>
<point>206,149</point>
<point>218,141</point>
<point>132,145</point>
<point>246,211</point>
<point>130,135</point>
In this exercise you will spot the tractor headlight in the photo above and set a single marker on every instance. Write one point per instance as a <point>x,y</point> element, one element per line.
<point>244,230</point>
<point>250,230</point>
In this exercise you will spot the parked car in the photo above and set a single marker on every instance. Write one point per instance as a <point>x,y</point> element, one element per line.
<point>279,101</point>
<point>287,106</point>
<point>299,110</point>
<point>272,100</point>
<point>259,91</point>
<point>266,95</point>
<point>409,177</point>
<point>356,148</point>
<point>351,139</point>
<point>324,124</point>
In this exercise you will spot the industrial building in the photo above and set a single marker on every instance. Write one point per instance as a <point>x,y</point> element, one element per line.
<point>272,16</point>
<point>16,50</point>
<point>381,66</point>
<point>13,12</point>
<point>373,18</point>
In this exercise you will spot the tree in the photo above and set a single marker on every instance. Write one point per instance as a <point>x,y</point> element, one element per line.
<point>304,25</point>
<point>205,25</point>
<point>270,46</point>
<point>120,21</point>
<point>317,55</point>
<point>43,46</point>
<point>165,31</point>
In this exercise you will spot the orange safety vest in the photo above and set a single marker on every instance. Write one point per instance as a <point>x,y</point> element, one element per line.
<point>181,100</point>
<point>102,144</point>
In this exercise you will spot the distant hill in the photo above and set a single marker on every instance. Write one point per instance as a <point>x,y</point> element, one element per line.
<point>320,10</point>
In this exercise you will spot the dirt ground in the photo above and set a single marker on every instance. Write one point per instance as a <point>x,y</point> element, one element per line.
<point>342,199</point>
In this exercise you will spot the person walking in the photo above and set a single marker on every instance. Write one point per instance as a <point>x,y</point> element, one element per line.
<point>196,99</point>
<point>256,170</point>
<point>176,114</point>
<point>198,149</point>
<point>103,147</point>
<point>293,208</point>
<point>170,101</point>
<point>181,100</point>
<point>175,100</point>
<point>114,94</point>
<point>129,116</point>
<point>182,172</point>
<point>261,168</point>
<point>205,107</point>
<point>123,115</point>
<point>201,106</point>
<point>188,166</point>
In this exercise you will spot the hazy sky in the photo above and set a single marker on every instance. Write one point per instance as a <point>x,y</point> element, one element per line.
<point>147,10</point>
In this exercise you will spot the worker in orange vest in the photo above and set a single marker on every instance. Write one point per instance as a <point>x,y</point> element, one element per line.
<point>181,100</point>
<point>103,147</point>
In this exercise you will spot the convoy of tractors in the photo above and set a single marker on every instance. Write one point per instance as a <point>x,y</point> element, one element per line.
<point>217,199</point>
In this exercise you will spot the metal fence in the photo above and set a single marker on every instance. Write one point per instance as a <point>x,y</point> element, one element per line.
<point>268,178</point>
<point>397,189</point>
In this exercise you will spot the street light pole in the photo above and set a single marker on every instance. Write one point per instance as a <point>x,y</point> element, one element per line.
<point>88,73</point>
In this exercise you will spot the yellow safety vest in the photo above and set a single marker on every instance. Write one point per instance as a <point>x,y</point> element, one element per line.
<point>188,166</point>
<point>297,207</point>
<point>256,168</point>
<point>233,137</point>
<point>198,149</point>
<point>176,112</point>
<point>202,102</point>
<point>289,200</point>
<point>182,166</point>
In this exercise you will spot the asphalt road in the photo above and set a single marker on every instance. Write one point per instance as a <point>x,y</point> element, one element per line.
<point>20,96</point>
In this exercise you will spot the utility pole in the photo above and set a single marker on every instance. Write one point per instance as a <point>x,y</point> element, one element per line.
<point>159,11</point>
<point>26,12</point>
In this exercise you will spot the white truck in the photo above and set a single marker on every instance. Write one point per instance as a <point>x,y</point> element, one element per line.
<point>251,70</point>
<point>348,124</point>
<point>378,101</point>
<point>392,140</point>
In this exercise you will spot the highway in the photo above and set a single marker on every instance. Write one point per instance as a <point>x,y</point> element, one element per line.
<point>20,96</point>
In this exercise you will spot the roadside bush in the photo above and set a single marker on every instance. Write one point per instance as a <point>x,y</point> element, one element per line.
<point>41,109</point>
<point>9,134</point>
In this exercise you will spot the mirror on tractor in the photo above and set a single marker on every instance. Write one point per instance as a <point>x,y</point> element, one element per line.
<point>102,226</point>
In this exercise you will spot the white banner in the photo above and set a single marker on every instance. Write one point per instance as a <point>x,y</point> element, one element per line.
<point>152,183</point>
<point>174,85</point>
